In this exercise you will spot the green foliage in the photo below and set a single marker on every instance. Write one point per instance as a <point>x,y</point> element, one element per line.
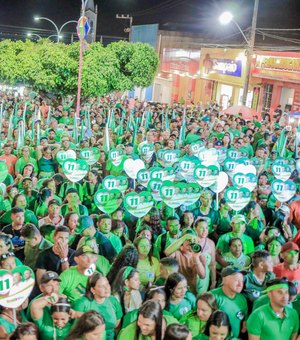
<point>52,67</point>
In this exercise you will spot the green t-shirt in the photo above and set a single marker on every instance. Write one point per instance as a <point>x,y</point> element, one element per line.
<point>223,243</point>
<point>21,162</point>
<point>102,265</point>
<point>158,243</point>
<point>148,272</point>
<point>73,284</point>
<point>266,324</point>
<point>49,332</point>
<point>128,333</point>
<point>236,308</point>
<point>131,316</point>
<point>194,324</point>
<point>115,170</point>
<point>187,304</point>
<point>110,309</point>
<point>252,287</point>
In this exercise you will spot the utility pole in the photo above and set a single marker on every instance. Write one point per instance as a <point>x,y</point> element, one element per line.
<point>127,17</point>
<point>250,51</point>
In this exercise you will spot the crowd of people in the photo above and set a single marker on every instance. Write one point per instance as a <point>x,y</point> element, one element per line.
<point>195,271</point>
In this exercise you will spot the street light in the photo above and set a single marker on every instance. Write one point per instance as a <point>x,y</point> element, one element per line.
<point>33,34</point>
<point>58,30</point>
<point>225,18</point>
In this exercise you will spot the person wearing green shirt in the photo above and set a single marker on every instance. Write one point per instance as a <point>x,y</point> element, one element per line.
<point>260,274</point>
<point>274,320</point>
<point>60,323</point>
<point>74,279</point>
<point>217,328</point>
<point>104,226</point>
<point>98,298</point>
<point>196,320</point>
<point>165,240</point>
<point>206,211</point>
<point>24,160</point>
<point>148,266</point>
<point>73,204</point>
<point>230,300</point>
<point>238,225</point>
<point>179,300</point>
<point>150,324</point>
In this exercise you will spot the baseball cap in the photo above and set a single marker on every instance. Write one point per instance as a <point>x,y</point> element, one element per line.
<point>231,270</point>
<point>54,201</point>
<point>218,144</point>
<point>26,179</point>
<point>289,246</point>
<point>84,223</point>
<point>85,250</point>
<point>238,218</point>
<point>48,276</point>
<point>129,144</point>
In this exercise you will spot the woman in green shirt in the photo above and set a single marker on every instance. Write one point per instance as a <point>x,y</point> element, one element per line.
<point>98,298</point>
<point>126,289</point>
<point>179,300</point>
<point>148,266</point>
<point>150,324</point>
<point>59,326</point>
<point>196,320</point>
<point>217,327</point>
<point>41,205</point>
<point>90,326</point>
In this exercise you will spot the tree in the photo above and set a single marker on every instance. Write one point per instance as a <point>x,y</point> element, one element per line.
<point>53,67</point>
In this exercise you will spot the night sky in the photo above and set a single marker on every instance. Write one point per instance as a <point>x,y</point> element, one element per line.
<point>183,15</point>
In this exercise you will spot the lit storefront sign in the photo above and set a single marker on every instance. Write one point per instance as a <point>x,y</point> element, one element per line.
<point>222,66</point>
<point>181,62</point>
<point>279,67</point>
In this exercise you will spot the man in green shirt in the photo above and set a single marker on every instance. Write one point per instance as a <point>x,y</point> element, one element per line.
<point>104,226</point>
<point>74,279</point>
<point>230,300</point>
<point>34,244</point>
<point>24,160</point>
<point>165,240</point>
<point>274,320</point>
<point>257,278</point>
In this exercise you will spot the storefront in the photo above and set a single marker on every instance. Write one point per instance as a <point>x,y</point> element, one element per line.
<point>222,73</point>
<point>177,78</point>
<point>278,77</point>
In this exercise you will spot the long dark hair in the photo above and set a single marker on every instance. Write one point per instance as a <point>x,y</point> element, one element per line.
<point>62,305</point>
<point>118,286</point>
<point>176,331</point>
<point>151,310</point>
<point>218,318</point>
<point>91,283</point>
<point>172,282</point>
<point>27,328</point>
<point>136,243</point>
<point>87,323</point>
<point>128,256</point>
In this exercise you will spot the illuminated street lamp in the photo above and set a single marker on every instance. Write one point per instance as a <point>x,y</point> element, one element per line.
<point>39,37</point>
<point>225,18</point>
<point>58,30</point>
<point>33,35</point>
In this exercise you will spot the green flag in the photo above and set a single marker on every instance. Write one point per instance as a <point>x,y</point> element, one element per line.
<point>182,129</point>
<point>82,129</point>
<point>75,132</point>
<point>167,121</point>
<point>106,147</point>
<point>281,143</point>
